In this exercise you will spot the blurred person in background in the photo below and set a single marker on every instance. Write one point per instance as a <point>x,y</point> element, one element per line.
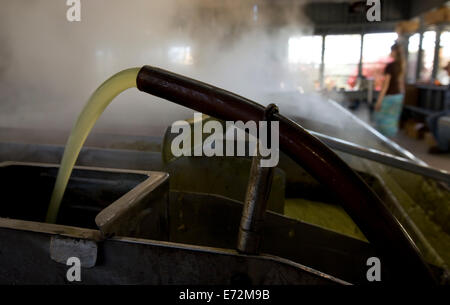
<point>439,124</point>
<point>390,99</point>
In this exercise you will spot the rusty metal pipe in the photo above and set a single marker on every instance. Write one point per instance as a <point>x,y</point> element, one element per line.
<point>392,243</point>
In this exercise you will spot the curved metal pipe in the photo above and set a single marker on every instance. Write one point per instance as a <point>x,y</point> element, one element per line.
<point>392,243</point>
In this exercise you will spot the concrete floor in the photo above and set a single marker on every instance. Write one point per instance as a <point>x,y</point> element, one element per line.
<point>418,147</point>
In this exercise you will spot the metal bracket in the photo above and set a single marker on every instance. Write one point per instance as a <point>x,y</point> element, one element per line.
<point>255,205</point>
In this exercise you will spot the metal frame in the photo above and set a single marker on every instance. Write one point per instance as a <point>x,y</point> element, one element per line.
<point>382,157</point>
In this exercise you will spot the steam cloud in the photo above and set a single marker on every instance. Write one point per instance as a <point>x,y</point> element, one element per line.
<point>49,66</point>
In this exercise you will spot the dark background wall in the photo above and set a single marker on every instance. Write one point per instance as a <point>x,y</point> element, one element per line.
<point>350,16</point>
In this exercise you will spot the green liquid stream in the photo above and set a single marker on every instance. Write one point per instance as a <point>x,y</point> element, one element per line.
<point>97,103</point>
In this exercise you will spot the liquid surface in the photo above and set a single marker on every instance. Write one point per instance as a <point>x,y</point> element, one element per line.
<point>97,103</point>
<point>329,216</point>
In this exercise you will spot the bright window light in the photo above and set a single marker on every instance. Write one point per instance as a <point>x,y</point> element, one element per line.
<point>428,44</point>
<point>305,49</point>
<point>445,44</point>
<point>413,44</point>
<point>342,54</point>
<point>342,49</point>
<point>378,46</point>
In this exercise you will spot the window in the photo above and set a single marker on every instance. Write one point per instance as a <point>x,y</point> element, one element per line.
<point>304,56</point>
<point>428,45</point>
<point>305,49</point>
<point>342,54</point>
<point>376,50</point>
<point>444,58</point>
<point>413,50</point>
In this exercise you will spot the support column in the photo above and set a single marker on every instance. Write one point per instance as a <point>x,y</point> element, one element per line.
<point>360,65</point>
<point>437,48</point>
<point>322,64</point>
<point>420,51</point>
